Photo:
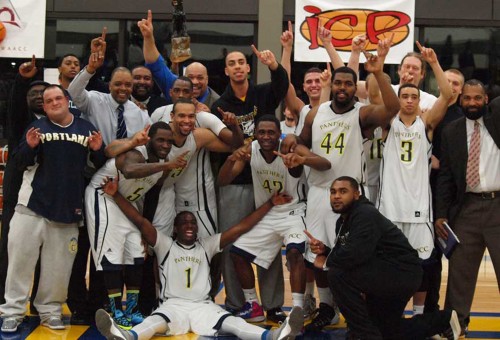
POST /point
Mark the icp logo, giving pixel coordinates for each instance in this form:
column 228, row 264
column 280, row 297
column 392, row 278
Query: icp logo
column 345, row 24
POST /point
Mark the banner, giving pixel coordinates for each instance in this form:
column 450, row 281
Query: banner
column 22, row 28
column 349, row 18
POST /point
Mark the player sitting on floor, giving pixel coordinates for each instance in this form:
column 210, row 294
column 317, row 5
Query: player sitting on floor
column 184, row 265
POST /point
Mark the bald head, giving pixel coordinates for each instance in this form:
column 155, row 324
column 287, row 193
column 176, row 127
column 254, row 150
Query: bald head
column 197, row 72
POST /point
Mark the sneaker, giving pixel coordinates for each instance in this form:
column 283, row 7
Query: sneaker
column 107, row 326
column 122, row 321
column 10, row 324
column 136, row 318
column 252, row 312
column 309, row 306
column 276, row 315
column 291, row 327
column 325, row 316
column 54, row 322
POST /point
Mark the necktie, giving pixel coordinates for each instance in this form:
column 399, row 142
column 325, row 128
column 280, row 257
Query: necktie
column 121, row 130
column 472, row 177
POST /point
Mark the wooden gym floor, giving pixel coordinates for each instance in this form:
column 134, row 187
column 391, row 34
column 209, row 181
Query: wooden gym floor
column 485, row 320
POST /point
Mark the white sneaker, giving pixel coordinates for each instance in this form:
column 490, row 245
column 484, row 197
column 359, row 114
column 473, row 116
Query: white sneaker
column 455, row 325
column 309, row 306
column 292, row 325
column 107, row 326
column 10, row 324
column 54, row 322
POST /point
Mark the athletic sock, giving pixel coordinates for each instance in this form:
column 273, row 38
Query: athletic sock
column 325, row 296
column 115, row 302
column 418, row 309
column 298, row 299
column 309, row 288
column 250, row 295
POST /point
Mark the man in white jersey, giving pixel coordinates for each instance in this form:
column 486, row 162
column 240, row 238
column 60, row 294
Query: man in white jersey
column 115, row 242
column 335, row 130
column 405, row 195
column 184, row 264
column 284, row 224
column 199, row 196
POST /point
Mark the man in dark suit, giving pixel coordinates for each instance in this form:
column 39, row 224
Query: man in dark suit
column 468, row 194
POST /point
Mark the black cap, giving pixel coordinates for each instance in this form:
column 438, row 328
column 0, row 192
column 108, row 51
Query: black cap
column 38, row 82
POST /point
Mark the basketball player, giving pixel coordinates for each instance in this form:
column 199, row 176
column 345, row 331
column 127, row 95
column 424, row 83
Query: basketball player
column 405, row 195
column 115, row 242
column 284, row 224
column 335, row 130
column 184, row 266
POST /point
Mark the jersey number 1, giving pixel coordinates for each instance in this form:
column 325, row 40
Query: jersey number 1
column 188, row 277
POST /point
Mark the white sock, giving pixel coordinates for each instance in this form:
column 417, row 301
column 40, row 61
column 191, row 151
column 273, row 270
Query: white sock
column 242, row 329
column 325, row 296
column 417, row 309
column 298, row 299
column 250, row 295
column 150, row 326
column 309, row 288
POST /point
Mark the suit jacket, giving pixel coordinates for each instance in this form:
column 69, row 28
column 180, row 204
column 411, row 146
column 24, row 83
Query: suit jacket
column 451, row 184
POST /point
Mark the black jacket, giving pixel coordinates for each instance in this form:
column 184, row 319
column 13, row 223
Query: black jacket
column 366, row 234
column 260, row 100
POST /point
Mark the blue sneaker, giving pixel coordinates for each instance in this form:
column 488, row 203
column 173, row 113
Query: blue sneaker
column 252, row 312
column 136, row 318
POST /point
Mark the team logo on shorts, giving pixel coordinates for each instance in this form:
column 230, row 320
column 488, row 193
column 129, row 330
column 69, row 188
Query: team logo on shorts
column 73, row 246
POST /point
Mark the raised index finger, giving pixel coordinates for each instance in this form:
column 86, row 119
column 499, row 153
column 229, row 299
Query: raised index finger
column 328, row 68
column 33, row 60
column 419, row 46
column 290, row 26
column 104, row 31
column 146, row 128
column 255, row 50
column 150, row 16
column 308, row 234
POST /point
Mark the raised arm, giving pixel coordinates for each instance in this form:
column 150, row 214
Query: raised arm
column 380, row 115
column 326, row 84
column 358, row 44
column 246, row 224
column 148, row 232
column 154, row 61
column 133, row 165
column 326, row 38
column 232, row 135
column 292, row 102
column 208, row 140
column 436, row 113
column 119, row 146
column 234, row 165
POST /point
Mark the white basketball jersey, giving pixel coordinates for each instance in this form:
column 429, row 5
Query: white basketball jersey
column 373, row 152
column 190, row 146
column 185, row 271
column 338, row 138
column 195, row 190
column 132, row 188
column 405, row 194
column 302, row 118
column 271, row 178
column 162, row 114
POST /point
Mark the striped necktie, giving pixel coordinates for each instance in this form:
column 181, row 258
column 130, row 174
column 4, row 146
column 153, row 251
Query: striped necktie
column 472, row 176
column 121, row 130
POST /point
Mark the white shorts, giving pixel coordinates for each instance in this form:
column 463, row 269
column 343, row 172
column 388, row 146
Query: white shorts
column 111, row 233
column 320, row 218
column 188, row 316
column 420, row 236
column 264, row 241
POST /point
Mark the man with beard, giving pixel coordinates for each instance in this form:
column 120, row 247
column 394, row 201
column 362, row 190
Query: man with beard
column 373, row 272
column 335, row 130
column 142, row 90
column 468, row 194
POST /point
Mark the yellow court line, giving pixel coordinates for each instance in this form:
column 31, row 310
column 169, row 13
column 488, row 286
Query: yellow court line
column 484, row 324
column 45, row 333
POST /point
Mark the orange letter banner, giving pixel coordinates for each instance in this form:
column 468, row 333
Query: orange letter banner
column 348, row 18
